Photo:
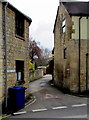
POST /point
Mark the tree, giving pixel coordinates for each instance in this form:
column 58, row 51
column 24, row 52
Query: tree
column 45, row 56
column 34, row 50
column 46, row 53
column 38, row 55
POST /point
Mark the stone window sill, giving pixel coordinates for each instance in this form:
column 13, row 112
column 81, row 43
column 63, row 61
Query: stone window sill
column 22, row 38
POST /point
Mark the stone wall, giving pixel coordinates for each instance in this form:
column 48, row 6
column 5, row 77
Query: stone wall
column 61, row 76
column 34, row 75
column 66, row 70
column 1, row 54
column 17, row 49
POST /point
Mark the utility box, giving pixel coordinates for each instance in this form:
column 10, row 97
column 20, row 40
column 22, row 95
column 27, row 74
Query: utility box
column 17, row 97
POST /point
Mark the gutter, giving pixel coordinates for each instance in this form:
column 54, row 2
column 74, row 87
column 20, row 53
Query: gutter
column 5, row 43
column 79, row 88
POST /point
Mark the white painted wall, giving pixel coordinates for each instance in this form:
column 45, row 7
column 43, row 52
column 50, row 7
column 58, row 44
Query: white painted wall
column 84, row 22
column 75, row 27
column 84, row 32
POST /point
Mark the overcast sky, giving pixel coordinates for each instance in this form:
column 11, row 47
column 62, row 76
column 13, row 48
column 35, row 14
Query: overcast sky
column 43, row 14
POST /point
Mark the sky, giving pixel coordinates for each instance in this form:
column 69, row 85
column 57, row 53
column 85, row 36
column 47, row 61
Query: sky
column 43, row 14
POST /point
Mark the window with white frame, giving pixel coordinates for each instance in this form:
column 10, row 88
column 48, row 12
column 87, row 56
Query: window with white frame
column 64, row 26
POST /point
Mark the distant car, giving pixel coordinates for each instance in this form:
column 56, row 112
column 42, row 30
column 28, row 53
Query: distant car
column 44, row 69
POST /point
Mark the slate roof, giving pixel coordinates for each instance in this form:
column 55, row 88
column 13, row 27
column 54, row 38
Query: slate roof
column 77, row 8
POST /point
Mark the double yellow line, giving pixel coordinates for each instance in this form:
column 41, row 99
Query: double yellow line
column 4, row 116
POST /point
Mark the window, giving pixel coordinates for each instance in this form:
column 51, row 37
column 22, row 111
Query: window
column 65, row 50
column 19, row 23
column 19, row 71
column 63, row 26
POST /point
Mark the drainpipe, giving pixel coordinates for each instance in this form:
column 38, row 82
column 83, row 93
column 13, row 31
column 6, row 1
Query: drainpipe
column 5, row 43
column 79, row 89
column 87, row 71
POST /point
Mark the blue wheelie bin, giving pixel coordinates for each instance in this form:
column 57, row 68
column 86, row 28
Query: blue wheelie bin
column 17, row 97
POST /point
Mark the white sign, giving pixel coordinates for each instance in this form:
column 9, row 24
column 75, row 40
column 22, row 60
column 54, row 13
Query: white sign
column 11, row 71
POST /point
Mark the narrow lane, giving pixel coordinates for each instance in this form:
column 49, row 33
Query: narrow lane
column 51, row 103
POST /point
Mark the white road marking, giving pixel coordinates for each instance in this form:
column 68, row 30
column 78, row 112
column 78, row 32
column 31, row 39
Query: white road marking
column 26, row 105
column 60, row 107
column 50, row 96
column 39, row 110
column 17, row 113
column 79, row 105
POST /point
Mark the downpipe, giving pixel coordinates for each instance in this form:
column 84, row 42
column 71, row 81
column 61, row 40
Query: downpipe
column 5, row 40
column 79, row 88
column 87, row 71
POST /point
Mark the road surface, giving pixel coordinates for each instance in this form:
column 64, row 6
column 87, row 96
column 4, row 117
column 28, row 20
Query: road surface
column 52, row 103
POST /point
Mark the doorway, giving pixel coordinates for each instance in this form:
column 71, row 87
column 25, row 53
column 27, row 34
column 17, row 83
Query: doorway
column 19, row 70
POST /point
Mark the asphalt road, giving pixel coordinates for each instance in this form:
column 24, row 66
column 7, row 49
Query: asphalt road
column 51, row 103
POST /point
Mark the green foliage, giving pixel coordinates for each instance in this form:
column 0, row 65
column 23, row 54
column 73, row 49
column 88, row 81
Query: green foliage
column 31, row 66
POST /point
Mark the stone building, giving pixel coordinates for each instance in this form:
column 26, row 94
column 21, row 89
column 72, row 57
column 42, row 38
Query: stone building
column 71, row 46
column 14, row 52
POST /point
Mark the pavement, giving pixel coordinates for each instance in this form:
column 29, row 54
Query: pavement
column 29, row 100
column 84, row 94
column 28, row 103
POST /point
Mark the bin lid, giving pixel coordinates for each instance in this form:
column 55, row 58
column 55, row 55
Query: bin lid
column 18, row 88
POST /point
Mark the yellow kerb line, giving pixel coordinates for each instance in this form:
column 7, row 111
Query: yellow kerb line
column 5, row 116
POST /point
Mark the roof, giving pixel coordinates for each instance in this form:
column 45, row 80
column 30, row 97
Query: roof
column 77, row 8
column 16, row 10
